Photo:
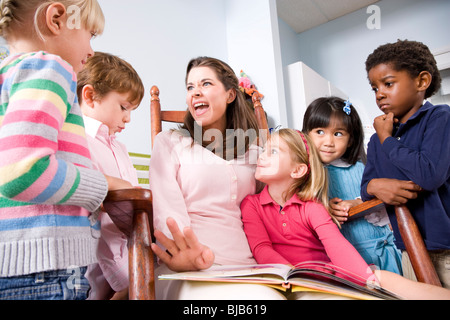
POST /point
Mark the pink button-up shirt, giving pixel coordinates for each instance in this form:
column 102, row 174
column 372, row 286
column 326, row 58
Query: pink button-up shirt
column 111, row 158
column 201, row 190
column 300, row 231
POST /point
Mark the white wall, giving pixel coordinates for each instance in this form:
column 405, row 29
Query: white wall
column 254, row 45
column 159, row 38
column 337, row 50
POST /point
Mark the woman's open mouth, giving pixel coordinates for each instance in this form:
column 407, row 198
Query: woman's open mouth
column 200, row 108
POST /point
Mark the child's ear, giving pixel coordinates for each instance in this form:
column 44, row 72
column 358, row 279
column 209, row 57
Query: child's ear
column 56, row 17
column 423, row 80
column 88, row 94
column 299, row 171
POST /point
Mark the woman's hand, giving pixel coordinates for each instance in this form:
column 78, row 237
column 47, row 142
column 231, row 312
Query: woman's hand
column 184, row 252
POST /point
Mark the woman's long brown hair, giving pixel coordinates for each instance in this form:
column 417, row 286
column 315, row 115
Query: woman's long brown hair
column 240, row 118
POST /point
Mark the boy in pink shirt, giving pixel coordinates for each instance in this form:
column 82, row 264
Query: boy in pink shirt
column 108, row 90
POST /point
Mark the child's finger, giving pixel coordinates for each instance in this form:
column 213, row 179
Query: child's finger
column 340, row 213
column 335, row 200
column 390, row 117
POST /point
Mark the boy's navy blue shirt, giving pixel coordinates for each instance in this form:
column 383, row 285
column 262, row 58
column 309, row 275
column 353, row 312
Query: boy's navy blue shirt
column 418, row 151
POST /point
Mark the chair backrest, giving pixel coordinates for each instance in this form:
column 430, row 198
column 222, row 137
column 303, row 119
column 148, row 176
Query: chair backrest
column 141, row 162
column 176, row 116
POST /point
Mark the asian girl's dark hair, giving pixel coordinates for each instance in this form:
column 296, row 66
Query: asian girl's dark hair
column 322, row 110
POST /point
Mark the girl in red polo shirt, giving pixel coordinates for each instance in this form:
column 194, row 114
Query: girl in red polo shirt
column 288, row 221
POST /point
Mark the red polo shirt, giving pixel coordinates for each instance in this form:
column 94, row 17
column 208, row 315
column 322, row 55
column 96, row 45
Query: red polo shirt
column 300, row 231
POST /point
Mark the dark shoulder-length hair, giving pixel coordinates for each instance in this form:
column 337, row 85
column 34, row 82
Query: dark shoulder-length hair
column 319, row 115
column 241, row 120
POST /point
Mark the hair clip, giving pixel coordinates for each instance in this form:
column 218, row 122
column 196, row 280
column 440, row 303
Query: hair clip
column 347, row 108
column 272, row 130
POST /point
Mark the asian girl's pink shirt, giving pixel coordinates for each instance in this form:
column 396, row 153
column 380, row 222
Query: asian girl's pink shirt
column 202, row 190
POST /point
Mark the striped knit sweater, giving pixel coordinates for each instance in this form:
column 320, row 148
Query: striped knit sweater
column 47, row 185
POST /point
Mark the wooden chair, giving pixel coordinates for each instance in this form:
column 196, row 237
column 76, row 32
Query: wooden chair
column 131, row 210
column 414, row 244
column 174, row 116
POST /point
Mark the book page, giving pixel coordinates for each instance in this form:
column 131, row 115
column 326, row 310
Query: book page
column 233, row 271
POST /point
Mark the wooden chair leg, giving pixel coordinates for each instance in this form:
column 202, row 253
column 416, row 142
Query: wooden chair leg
column 131, row 211
column 417, row 252
column 415, row 247
column 141, row 263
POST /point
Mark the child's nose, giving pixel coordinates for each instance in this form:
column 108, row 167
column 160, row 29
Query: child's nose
column 127, row 117
column 380, row 95
column 329, row 139
column 91, row 52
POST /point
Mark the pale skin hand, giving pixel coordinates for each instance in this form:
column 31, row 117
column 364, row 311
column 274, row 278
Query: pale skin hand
column 117, row 183
column 186, row 252
column 408, row 289
column 392, row 191
column 120, row 295
column 339, row 208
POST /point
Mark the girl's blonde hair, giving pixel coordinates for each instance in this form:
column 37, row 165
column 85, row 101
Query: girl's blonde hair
column 14, row 14
column 313, row 186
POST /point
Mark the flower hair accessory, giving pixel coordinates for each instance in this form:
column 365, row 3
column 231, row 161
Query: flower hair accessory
column 347, row 108
column 246, row 85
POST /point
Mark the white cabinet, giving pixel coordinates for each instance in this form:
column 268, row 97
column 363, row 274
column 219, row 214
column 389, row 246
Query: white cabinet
column 303, row 86
column 442, row 57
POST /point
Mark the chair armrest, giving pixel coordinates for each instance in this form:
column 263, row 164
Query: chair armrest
column 365, row 208
column 121, row 205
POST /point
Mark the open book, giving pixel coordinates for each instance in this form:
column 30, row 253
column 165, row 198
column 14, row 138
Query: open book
column 310, row 276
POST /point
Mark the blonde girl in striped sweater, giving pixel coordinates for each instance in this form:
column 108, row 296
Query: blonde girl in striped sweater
column 48, row 189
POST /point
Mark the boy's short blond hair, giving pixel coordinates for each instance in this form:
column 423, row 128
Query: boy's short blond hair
column 15, row 14
column 105, row 73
